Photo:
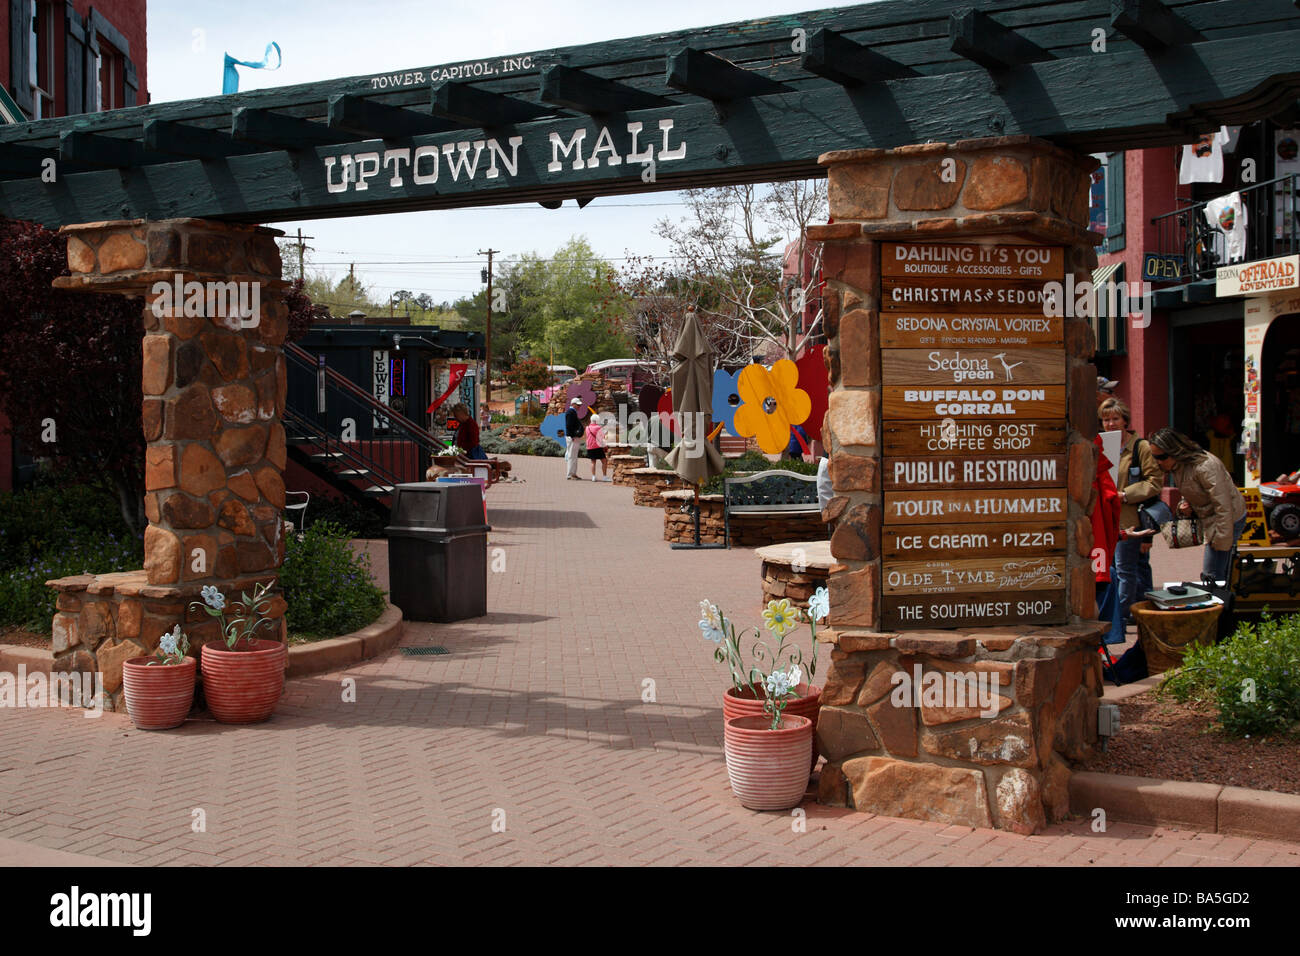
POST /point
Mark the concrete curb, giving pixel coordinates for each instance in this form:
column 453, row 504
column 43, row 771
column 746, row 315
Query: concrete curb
column 1208, row 807
column 340, row 652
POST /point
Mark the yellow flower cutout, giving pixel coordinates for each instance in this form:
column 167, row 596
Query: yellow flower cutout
column 770, row 404
column 781, row 617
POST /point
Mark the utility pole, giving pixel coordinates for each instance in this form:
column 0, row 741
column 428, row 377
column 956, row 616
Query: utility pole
column 302, row 272
column 487, row 343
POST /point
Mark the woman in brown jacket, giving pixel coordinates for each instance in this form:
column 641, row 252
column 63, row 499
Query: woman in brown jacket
column 1208, row 490
column 1139, row 481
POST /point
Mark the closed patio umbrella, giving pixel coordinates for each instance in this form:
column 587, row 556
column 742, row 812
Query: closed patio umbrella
column 694, row 458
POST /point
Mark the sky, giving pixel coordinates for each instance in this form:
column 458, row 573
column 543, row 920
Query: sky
column 434, row 251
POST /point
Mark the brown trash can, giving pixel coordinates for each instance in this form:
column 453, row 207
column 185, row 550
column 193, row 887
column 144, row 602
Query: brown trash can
column 1165, row 635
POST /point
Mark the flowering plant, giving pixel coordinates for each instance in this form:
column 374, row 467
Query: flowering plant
column 251, row 613
column 775, row 672
column 172, row 648
column 453, row 450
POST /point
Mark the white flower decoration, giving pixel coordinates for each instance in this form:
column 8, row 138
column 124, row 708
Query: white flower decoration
column 710, row 613
column 213, row 598
column 170, row 643
column 711, row 633
column 819, row 605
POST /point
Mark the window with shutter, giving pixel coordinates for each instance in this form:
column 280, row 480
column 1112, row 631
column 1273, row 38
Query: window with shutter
column 74, row 61
column 1114, row 202
column 20, row 49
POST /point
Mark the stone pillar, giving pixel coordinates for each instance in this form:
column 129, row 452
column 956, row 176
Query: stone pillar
column 928, row 758
column 214, row 386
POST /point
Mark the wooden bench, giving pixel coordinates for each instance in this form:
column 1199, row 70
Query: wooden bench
column 772, row 492
column 732, row 446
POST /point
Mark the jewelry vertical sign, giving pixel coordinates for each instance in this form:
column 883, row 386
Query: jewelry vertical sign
column 973, row 405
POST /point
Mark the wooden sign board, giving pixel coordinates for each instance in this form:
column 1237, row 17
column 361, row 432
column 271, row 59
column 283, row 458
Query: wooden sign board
column 962, row 295
column 975, row 507
column 914, row 542
column 973, row 438
column 925, row 611
column 974, row 574
column 902, row 330
column 970, row 260
column 972, row 367
column 1015, row 471
column 1003, row 401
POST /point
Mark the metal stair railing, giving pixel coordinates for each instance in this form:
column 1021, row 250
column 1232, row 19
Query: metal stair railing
column 401, row 455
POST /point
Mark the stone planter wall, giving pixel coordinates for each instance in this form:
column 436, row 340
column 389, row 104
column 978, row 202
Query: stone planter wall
column 781, row 580
column 747, row 531
column 949, row 764
column 621, row 465
column 648, row 483
column 214, row 391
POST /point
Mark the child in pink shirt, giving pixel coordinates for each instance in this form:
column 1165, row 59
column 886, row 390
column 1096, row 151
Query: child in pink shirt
column 596, row 449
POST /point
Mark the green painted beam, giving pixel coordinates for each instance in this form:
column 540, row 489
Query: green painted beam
column 194, row 142
column 280, row 131
column 356, row 114
column 694, row 71
column 981, row 39
column 1136, row 101
column 92, row 149
column 588, row 93
column 1150, row 24
column 481, row 108
column 843, row 61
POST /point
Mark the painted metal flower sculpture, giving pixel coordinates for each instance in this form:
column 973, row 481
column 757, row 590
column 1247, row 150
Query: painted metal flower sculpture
column 771, row 402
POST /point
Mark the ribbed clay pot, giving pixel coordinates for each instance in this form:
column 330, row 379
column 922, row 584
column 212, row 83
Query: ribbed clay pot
column 158, row 696
column 768, row 768
column 243, row 686
column 745, row 704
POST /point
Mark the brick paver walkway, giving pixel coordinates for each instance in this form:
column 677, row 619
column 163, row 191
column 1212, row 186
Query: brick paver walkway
column 535, row 721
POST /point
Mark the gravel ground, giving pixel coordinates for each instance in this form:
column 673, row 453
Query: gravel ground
column 24, row 638
column 1174, row 741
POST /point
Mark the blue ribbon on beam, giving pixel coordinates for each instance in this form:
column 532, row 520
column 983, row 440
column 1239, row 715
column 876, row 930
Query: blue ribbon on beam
column 230, row 76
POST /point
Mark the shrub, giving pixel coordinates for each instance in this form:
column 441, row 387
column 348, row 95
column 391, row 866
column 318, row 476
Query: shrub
column 1253, row 677
column 356, row 519
column 43, row 518
column 327, row 585
column 25, row 601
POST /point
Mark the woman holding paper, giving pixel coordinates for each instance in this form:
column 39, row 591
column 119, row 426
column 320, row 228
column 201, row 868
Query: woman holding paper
column 1139, row 481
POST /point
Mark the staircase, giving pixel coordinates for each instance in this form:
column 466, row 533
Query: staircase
column 348, row 438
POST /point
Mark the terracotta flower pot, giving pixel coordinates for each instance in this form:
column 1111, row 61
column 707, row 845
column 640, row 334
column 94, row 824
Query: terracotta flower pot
column 768, row 769
column 243, row 686
column 158, row 696
column 745, row 704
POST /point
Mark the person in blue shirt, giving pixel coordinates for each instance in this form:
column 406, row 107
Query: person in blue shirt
column 794, row 451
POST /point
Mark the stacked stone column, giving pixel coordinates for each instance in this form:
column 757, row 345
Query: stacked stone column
column 214, row 387
column 946, row 763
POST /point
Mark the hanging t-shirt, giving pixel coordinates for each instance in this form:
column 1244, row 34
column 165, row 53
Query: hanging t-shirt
column 1228, row 214
column 1203, row 160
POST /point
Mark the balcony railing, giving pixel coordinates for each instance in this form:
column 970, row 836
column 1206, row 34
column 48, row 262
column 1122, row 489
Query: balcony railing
column 1272, row 229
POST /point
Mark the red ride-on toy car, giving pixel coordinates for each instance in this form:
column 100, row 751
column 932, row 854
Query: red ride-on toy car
column 1281, row 500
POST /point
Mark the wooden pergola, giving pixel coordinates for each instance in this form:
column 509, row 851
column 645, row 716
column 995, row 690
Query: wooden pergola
column 740, row 102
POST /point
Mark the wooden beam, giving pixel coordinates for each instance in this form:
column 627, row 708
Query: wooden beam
column 1150, row 24
column 106, row 151
column 476, row 107
column 1137, row 101
column 20, row 160
column 193, row 141
column 357, row 114
column 280, row 131
column 589, row 93
column 694, row 71
column 848, row 63
column 975, row 35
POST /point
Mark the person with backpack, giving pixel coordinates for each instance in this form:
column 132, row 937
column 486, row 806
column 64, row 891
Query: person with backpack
column 1139, row 481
